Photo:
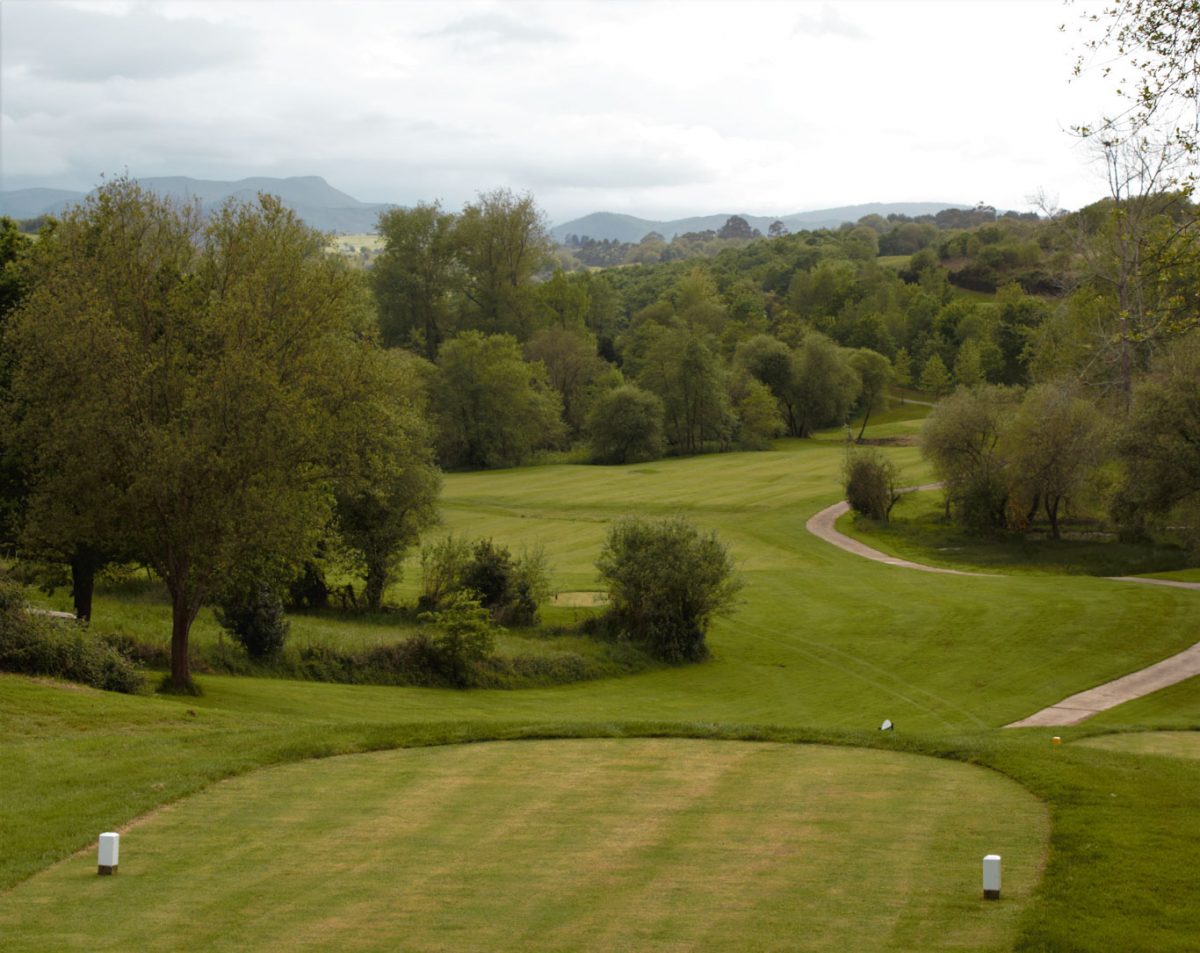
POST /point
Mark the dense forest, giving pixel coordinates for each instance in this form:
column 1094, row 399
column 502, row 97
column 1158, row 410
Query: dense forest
column 278, row 387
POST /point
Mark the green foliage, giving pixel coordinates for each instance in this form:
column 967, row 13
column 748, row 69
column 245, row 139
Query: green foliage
column 493, row 409
column 869, row 480
column 902, row 368
column 1160, row 444
column 875, row 374
column 464, row 637
column 243, row 350
column 626, row 426
column 961, row 439
column 252, row 612
column 666, row 580
column 444, row 564
column 413, row 277
column 509, row 589
column 824, row 385
column 502, row 243
column 755, row 410
column 36, row 645
column 388, row 487
column 935, row 379
column 686, row 375
column 572, row 368
column 1052, row 447
column 308, row 589
column 968, row 366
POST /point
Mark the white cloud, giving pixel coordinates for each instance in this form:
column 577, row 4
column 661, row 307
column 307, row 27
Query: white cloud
column 658, row 108
column 828, row 22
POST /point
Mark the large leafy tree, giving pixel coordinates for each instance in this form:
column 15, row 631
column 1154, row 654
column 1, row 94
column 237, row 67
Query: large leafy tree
column 685, row 374
column 493, row 408
column 387, row 488
column 184, row 388
column 13, row 248
column 1160, row 445
column 961, row 439
column 1052, row 446
column 414, row 277
column 502, row 243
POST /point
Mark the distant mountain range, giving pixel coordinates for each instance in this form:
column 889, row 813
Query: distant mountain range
column 312, row 198
column 628, row 228
column 324, row 207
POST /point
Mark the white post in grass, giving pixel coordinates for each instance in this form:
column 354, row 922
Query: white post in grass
column 991, row 877
column 110, row 845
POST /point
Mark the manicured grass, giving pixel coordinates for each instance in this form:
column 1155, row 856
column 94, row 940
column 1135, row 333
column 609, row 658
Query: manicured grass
column 1176, row 707
column 1170, row 744
column 823, row 647
column 581, row 845
column 920, row 532
column 1181, row 575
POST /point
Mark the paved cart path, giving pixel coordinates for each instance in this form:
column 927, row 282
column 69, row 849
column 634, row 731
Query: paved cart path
column 1069, row 711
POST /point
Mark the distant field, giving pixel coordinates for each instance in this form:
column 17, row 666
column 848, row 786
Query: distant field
column 368, row 240
column 581, row 845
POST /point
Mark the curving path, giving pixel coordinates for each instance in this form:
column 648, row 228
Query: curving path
column 1069, row 711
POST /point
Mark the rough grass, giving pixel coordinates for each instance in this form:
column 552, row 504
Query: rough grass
column 919, row 531
column 581, row 845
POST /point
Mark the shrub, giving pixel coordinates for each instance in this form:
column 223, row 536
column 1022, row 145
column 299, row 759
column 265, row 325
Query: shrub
column 443, row 565
column 626, row 426
column 510, row 589
column 36, row 645
column 309, row 589
column 252, row 613
column 666, row 580
column 463, row 637
column 869, row 479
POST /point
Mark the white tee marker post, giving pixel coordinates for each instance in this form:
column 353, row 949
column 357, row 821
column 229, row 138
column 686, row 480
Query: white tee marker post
column 110, row 845
column 991, row 877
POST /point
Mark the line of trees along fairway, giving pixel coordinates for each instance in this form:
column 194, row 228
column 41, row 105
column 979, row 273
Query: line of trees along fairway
column 190, row 394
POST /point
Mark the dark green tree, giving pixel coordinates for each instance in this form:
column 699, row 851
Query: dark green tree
column 666, row 580
column 387, row 487
column 187, row 386
column 414, row 277
column 626, row 426
column 492, row 407
column 685, row 374
column 502, row 244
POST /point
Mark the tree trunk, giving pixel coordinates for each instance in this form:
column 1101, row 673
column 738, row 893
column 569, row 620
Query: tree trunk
column 376, row 581
column 84, row 563
column 183, row 613
column 1052, row 515
column 863, row 428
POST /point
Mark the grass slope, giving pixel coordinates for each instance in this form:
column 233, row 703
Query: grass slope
column 824, row 646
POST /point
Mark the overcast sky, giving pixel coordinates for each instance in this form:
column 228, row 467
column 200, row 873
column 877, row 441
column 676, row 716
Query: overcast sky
column 657, row 109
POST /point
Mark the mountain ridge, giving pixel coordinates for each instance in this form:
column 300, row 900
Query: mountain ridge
column 329, row 209
column 617, row 226
column 317, row 202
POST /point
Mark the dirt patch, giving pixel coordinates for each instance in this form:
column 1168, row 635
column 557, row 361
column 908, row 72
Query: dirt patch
column 580, row 600
column 906, row 441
